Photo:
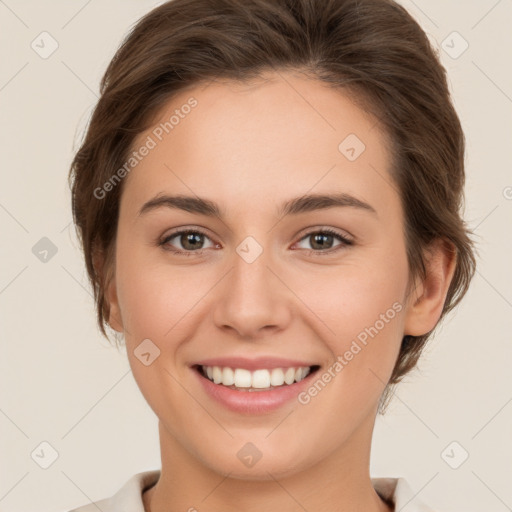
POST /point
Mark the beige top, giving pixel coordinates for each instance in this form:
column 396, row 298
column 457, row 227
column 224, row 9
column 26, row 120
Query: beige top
column 129, row 497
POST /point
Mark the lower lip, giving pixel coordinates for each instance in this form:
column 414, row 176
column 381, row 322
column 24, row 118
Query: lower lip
column 253, row 402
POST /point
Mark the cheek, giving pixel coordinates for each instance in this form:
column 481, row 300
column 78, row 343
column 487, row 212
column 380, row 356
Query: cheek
column 371, row 300
column 364, row 308
column 153, row 293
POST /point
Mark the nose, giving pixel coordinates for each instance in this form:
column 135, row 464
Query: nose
column 252, row 300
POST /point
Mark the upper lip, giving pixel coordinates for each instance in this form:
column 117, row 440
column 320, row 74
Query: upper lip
column 256, row 363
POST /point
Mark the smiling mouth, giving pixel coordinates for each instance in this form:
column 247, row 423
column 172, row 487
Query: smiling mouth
column 241, row 379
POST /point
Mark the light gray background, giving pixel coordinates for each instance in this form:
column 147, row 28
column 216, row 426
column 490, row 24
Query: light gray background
column 64, row 384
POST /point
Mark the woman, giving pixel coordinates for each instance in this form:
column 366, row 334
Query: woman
column 268, row 198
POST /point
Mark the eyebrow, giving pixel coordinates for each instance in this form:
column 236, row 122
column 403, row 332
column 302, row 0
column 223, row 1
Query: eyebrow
column 295, row 206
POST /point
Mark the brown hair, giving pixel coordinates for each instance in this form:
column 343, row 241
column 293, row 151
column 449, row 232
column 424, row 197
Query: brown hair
column 372, row 48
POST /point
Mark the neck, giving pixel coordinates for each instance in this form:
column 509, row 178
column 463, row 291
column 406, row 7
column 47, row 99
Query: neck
column 339, row 482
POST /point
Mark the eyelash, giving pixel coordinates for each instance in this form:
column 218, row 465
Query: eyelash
column 344, row 242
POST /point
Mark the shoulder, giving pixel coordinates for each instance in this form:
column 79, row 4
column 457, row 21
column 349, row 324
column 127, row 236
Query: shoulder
column 400, row 493
column 128, row 497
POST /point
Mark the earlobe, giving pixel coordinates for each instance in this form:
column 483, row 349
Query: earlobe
column 114, row 317
column 428, row 298
column 104, row 268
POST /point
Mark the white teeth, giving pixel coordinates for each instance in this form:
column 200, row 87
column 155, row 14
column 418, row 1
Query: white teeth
column 258, row 379
column 242, row 378
column 217, row 375
column 289, row 375
column 228, row 376
column 277, row 377
column 261, row 379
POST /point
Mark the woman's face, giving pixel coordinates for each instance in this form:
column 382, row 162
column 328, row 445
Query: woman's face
column 259, row 284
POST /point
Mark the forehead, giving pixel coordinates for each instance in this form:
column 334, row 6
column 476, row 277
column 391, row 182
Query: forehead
column 281, row 135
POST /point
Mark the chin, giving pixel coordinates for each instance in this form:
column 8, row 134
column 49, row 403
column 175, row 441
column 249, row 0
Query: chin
column 274, row 467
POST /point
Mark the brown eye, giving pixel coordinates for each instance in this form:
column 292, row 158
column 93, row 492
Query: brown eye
column 324, row 240
column 187, row 240
column 321, row 240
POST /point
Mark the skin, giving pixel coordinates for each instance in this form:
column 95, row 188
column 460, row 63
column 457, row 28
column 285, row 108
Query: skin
column 250, row 148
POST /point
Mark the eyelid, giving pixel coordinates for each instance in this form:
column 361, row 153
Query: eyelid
column 325, row 229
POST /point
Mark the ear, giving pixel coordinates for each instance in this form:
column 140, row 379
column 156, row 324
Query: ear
column 114, row 317
column 427, row 299
column 105, row 269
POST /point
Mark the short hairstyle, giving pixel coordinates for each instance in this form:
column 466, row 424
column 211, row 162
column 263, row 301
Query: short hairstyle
column 372, row 49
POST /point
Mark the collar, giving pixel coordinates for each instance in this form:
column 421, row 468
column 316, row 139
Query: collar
column 129, row 497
